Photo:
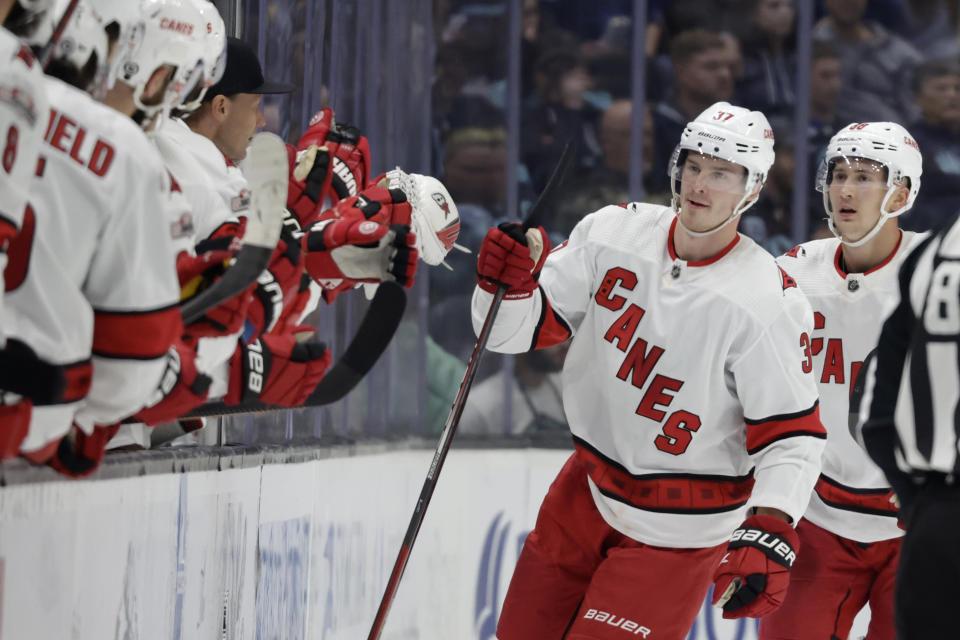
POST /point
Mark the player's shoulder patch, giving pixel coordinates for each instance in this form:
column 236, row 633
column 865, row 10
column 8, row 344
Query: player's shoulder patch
column 786, row 280
column 797, row 252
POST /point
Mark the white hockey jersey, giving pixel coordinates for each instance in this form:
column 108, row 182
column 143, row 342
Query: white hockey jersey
column 852, row 497
column 214, row 186
column 23, row 116
column 100, row 283
column 683, row 384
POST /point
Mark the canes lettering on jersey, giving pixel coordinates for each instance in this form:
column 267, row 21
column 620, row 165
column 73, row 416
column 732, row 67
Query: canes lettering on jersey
column 833, row 369
column 639, row 364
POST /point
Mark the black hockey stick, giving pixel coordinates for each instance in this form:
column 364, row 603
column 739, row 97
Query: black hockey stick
column 46, row 54
column 537, row 214
column 373, row 336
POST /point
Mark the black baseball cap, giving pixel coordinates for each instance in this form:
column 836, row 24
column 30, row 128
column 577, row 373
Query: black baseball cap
column 243, row 74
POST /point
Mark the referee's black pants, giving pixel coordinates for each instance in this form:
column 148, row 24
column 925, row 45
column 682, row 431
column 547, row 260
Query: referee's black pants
column 928, row 578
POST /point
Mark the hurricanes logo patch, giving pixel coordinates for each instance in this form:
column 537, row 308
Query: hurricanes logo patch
column 183, row 227
column 796, row 252
column 241, row 201
column 448, row 235
column 368, row 227
column 788, row 281
column 442, row 203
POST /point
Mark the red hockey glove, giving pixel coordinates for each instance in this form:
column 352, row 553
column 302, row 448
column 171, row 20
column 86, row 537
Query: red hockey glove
column 310, row 177
column 513, row 259
column 279, row 283
column 79, row 454
column 753, row 575
column 360, row 250
column 375, row 203
column 349, row 152
column 277, row 369
column 182, row 388
column 198, row 272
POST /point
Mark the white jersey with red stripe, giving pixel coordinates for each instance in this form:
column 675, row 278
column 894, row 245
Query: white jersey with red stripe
column 23, row 115
column 683, row 384
column 211, row 187
column 852, row 497
column 98, row 281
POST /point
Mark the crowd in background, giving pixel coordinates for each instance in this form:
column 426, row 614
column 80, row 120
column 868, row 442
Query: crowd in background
column 872, row 60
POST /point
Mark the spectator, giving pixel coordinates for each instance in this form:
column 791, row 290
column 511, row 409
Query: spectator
column 474, row 170
column 931, row 27
column 559, row 112
column 609, row 182
column 769, row 58
column 702, row 75
column 876, row 64
column 535, row 397
column 937, row 88
column 826, row 82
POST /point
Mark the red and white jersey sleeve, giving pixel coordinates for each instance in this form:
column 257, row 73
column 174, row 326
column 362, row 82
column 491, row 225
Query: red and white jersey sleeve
column 683, row 384
column 851, row 497
column 102, row 247
column 23, row 116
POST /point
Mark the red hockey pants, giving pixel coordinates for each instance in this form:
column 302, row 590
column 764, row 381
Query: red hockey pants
column 578, row 578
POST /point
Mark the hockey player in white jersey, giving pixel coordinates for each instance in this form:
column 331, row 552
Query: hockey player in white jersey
column 106, row 209
column 684, row 389
column 870, row 175
column 25, row 379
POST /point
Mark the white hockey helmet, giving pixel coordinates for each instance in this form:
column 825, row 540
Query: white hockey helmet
column 889, row 145
column 82, row 40
column 434, row 219
column 27, row 17
column 730, row 133
column 214, row 53
column 156, row 33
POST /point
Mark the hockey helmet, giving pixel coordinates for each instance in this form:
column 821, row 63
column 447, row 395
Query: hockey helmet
column 214, row 54
column 82, row 43
column 890, row 146
column 731, row 133
column 155, row 33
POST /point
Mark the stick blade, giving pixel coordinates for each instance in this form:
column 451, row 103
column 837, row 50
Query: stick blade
column 372, row 338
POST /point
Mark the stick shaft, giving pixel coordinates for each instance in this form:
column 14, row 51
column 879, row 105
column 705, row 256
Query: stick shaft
column 433, row 474
column 47, row 52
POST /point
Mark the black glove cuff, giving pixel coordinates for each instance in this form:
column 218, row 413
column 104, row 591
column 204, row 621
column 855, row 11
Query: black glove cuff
column 514, row 230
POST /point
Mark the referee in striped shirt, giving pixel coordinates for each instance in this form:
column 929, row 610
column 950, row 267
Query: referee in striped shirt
column 910, row 420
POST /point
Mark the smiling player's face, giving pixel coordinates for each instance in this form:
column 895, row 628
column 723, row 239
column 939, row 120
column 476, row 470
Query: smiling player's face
column 709, row 190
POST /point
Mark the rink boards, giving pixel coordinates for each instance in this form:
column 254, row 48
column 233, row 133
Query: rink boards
column 276, row 551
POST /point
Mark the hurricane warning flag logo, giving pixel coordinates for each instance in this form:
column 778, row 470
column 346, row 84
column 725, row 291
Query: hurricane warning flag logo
column 442, row 203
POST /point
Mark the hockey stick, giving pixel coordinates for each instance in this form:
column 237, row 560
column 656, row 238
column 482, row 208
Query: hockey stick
column 537, row 214
column 46, row 54
column 373, row 336
column 266, row 171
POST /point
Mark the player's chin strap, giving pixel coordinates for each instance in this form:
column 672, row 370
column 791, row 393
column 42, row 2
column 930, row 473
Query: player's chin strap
column 884, row 216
